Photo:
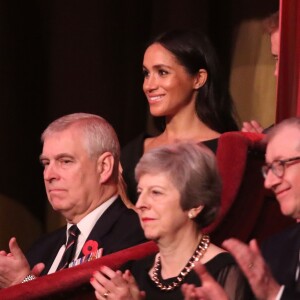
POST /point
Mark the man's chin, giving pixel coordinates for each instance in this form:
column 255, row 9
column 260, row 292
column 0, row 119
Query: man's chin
column 57, row 205
column 288, row 212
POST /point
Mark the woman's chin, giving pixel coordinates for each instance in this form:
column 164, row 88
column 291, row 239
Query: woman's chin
column 151, row 236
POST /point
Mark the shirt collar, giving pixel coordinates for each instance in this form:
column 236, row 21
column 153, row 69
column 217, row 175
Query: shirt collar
column 86, row 224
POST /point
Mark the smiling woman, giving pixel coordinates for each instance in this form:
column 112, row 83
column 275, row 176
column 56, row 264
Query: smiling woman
column 183, row 84
column 173, row 207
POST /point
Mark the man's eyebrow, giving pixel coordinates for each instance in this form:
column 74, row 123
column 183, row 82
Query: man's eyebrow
column 58, row 156
column 277, row 158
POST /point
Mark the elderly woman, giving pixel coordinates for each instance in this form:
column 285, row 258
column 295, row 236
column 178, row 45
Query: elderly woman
column 179, row 194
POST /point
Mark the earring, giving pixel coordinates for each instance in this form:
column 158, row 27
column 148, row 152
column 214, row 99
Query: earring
column 191, row 215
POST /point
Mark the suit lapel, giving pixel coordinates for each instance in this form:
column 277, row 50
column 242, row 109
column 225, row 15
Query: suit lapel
column 290, row 255
column 53, row 248
column 105, row 223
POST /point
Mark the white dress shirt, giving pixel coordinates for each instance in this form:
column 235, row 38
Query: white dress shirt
column 85, row 226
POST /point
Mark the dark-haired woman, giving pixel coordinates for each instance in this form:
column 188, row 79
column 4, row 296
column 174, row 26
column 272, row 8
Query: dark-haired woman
column 183, row 84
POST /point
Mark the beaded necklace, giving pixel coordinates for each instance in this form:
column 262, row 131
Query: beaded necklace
column 199, row 252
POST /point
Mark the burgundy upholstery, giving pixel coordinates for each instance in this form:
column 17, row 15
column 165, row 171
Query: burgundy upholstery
column 247, row 211
column 232, row 155
column 73, row 283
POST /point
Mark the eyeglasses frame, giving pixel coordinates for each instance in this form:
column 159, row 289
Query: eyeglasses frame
column 267, row 167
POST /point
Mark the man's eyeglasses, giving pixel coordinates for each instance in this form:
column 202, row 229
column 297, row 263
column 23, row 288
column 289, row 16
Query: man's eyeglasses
column 278, row 166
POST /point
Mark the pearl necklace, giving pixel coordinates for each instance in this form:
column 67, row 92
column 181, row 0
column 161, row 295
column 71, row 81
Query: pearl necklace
column 199, row 252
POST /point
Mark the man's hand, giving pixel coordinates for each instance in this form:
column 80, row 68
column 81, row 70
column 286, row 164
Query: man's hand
column 37, row 269
column 252, row 126
column 14, row 266
column 254, row 267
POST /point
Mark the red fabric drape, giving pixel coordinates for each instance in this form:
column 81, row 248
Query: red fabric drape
column 288, row 92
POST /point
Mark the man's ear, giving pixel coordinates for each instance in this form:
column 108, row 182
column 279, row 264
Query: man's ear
column 200, row 79
column 105, row 166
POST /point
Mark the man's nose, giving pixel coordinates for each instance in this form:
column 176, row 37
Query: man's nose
column 50, row 172
column 276, row 69
column 271, row 180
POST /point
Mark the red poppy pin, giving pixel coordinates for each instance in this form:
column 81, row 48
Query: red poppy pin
column 90, row 247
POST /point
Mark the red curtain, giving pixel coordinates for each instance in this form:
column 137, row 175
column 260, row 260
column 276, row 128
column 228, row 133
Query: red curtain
column 288, row 92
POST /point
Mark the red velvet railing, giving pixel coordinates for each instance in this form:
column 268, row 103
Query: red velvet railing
column 73, row 283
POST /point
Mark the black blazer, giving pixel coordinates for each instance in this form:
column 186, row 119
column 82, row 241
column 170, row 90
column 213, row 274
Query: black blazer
column 281, row 252
column 290, row 294
column 118, row 228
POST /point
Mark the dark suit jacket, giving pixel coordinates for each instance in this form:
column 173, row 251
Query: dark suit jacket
column 118, row 228
column 281, row 252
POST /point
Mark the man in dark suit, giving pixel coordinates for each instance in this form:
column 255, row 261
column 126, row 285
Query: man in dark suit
column 81, row 171
column 282, row 176
column 281, row 252
column 273, row 274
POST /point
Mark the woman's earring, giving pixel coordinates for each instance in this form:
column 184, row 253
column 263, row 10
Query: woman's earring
column 191, row 216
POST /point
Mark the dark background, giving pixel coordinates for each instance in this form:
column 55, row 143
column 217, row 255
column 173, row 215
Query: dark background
column 59, row 57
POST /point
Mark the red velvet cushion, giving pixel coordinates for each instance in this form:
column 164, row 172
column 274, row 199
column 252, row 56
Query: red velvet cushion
column 73, row 283
column 232, row 156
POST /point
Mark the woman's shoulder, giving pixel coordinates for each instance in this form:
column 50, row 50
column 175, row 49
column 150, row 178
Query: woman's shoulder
column 219, row 262
column 134, row 149
column 136, row 144
column 228, row 274
column 138, row 141
column 212, row 144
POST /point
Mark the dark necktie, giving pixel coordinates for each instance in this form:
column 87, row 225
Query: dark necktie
column 70, row 250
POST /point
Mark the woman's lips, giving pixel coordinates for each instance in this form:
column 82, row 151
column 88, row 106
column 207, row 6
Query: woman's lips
column 146, row 219
column 154, row 99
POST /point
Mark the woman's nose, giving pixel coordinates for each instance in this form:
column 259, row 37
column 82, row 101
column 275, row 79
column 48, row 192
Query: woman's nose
column 142, row 201
column 150, row 83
